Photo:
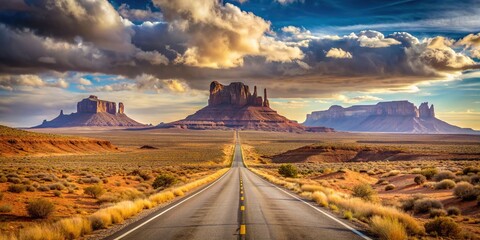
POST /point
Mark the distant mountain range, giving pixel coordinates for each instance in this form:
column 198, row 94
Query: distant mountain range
column 92, row 111
column 395, row 116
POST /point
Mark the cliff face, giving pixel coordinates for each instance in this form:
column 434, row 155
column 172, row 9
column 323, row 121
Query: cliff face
column 92, row 111
column 236, row 94
column 233, row 106
column 93, row 105
column 396, row 116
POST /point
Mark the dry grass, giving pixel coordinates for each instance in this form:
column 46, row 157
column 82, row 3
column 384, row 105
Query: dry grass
column 72, row 228
column 388, row 228
column 127, row 174
column 361, row 209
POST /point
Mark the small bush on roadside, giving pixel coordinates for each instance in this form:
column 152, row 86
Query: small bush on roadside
column 426, row 205
column 5, row 208
column 466, row 191
column 40, row 208
column 445, row 184
column 348, row 215
column 164, row 181
column 443, row 226
column 94, row 191
column 288, row 170
column 429, row 172
column 454, row 211
column 420, row 179
column 388, row 228
column 17, row 188
column 389, row 187
column 437, row 213
column 443, row 175
column 3, row 179
column 364, row 191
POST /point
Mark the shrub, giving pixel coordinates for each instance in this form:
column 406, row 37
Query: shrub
column 429, row 172
column 17, row 188
column 454, row 211
column 348, row 215
column 471, row 169
column 5, row 208
column 426, row 205
column 420, row 179
column 389, row 187
column 320, row 198
column 57, row 193
column 437, row 213
column 364, row 191
column 443, row 226
column 475, row 179
column 3, row 179
column 31, row 188
column 40, row 208
column 94, row 191
column 164, row 181
column 466, row 191
column 15, row 180
column 443, row 175
column 288, row 170
column 56, row 186
column 445, row 184
column 388, row 228
column 43, row 188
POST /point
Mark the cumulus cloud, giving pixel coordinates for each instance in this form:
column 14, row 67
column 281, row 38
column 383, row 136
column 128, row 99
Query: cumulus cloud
column 220, row 36
column 145, row 82
column 471, row 42
column 93, row 21
column 11, row 82
column 139, row 14
column 374, row 39
column 357, row 99
column 338, row 53
column 153, row 57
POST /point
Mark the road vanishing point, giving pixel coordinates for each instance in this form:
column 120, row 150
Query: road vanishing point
column 239, row 205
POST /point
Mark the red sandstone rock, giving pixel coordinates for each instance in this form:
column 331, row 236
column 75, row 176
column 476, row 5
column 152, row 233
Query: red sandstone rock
column 92, row 111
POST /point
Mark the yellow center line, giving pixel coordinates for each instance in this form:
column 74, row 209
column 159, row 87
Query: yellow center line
column 241, row 198
column 242, row 208
column 243, row 229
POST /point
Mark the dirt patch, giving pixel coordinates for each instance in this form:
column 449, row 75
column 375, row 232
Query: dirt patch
column 328, row 154
column 14, row 142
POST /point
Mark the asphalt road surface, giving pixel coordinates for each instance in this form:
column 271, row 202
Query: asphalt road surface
column 239, row 205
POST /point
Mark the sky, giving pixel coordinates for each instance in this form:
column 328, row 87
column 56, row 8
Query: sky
column 158, row 57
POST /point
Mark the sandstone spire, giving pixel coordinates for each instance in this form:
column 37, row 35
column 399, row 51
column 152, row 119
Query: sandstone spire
column 265, row 99
column 121, row 108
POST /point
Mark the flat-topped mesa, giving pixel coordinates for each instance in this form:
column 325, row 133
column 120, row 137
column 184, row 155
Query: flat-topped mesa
column 236, row 94
column 92, row 111
column 395, row 116
column 425, row 112
column 94, row 105
column 396, row 108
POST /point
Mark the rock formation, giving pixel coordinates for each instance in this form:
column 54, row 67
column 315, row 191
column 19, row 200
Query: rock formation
column 233, row 106
column 395, row 116
column 92, row 111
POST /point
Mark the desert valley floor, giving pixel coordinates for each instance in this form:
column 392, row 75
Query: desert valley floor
column 337, row 161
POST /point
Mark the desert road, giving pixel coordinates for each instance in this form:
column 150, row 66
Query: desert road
column 239, row 205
